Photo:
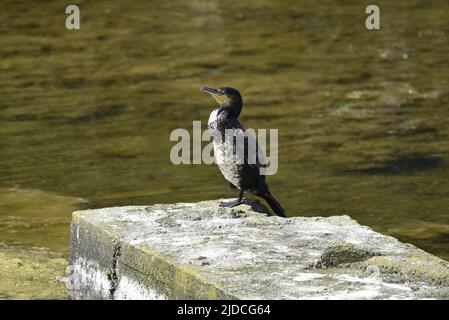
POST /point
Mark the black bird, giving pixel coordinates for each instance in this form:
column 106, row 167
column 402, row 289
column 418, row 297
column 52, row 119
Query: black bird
column 241, row 169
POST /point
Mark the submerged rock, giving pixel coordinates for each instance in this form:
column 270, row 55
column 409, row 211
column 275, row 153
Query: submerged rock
column 33, row 217
column 202, row 251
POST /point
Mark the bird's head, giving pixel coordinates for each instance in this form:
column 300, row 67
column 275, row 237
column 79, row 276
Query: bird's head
column 228, row 99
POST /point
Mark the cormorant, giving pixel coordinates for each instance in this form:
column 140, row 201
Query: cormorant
column 240, row 169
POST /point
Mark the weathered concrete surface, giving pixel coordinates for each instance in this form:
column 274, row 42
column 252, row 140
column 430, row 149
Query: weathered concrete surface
column 201, row 251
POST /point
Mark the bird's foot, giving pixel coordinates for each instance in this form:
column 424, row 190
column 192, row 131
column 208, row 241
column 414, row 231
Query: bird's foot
column 230, row 204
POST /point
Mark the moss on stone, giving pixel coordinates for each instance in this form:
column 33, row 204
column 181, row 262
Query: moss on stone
column 412, row 269
column 341, row 253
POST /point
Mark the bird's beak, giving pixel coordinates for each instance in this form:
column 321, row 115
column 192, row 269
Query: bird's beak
column 220, row 97
column 210, row 90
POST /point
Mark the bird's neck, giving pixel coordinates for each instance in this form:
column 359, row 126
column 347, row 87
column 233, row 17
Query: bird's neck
column 232, row 109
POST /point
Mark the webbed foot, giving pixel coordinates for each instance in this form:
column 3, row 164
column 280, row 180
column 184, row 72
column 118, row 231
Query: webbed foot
column 230, row 204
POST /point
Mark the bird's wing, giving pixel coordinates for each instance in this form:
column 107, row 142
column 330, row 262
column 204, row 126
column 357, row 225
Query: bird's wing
column 253, row 155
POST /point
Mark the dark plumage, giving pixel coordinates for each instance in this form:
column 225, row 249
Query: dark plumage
column 241, row 170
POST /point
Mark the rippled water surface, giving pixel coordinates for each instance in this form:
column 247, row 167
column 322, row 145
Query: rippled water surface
column 85, row 116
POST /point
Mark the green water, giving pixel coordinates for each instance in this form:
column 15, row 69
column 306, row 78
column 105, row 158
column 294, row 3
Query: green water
column 362, row 115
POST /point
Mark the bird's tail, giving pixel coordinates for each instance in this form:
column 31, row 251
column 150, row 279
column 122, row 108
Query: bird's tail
column 274, row 205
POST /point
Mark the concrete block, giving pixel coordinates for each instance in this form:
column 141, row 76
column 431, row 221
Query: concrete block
column 202, row 251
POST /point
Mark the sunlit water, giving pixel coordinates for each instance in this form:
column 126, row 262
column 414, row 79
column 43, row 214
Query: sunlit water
column 362, row 115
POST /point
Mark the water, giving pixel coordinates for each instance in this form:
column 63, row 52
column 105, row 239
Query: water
column 362, row 115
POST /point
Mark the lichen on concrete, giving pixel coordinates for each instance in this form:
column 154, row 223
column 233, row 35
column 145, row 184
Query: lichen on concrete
column 202, row 251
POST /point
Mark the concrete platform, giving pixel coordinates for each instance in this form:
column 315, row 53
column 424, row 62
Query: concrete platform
column 201, row 251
